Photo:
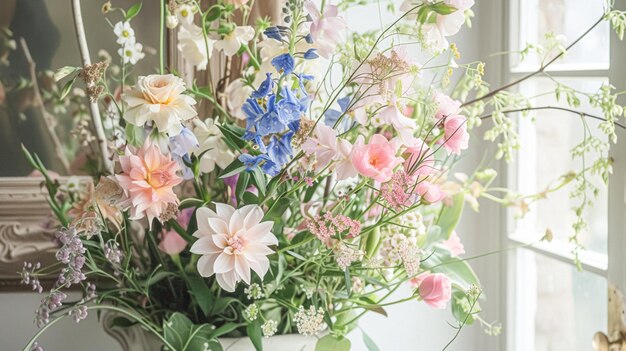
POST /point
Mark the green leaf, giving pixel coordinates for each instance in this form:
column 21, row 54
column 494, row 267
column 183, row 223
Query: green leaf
column 225, row 329
column 250, row 198
column 348, row 282
column 260, row 180
column 232, row 169
column 242, row 185
column 214, row 13
column 460, row 307
column 450, row 216
column 121, row 322
column 133, row 11
column 233, row 135
column 369, row 343
column 456, row 269
column 255, row 334
column 64, row 72
column 278, row 209
column 201, row 293
column 183, row 335
column 190, row 202
column 133, row 134
column 330, row 343
column 442, row 8
column 67, row 88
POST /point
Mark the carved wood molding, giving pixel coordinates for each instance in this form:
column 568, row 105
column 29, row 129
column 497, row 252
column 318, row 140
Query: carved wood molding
column 26, row 228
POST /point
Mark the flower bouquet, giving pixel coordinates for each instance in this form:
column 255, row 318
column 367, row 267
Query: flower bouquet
column 293, row 191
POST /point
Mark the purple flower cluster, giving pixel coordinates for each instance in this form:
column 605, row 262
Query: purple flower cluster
column 79, row 312
column 49, row 303
column 113, row 253
column 72, row 253
column 28, row 276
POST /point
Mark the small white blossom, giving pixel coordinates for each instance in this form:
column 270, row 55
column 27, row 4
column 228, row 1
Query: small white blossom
column 171, row 21
column 270, row 327
column 231, row 43
column 251, row 312
column 254, row 292
column 184, row 14
column 131, row 52
column 125, row 34
column 309, row 322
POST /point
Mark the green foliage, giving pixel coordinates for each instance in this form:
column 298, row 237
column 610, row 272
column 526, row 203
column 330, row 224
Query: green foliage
column 133, row 11
column 332, row 343
column 183, row 335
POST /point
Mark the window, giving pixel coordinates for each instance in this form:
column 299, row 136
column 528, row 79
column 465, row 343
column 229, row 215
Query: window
column 550, row 303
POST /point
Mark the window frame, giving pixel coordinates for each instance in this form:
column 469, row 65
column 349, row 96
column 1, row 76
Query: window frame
column 503, row 17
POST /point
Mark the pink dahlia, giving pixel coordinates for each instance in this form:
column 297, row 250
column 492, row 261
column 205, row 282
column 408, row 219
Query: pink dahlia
column 233, row 242
column 148, row 178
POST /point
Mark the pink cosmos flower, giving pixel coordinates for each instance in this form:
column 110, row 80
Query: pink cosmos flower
column 455, row 136
column 429, row 192
column 171, row 242
column 233, row 242
column 377, row 159
column 434, row 288
column 454, row 245
column 326, row 147
column 323, row 146
column 446, row 106
column 148, row 178
column 327, row 30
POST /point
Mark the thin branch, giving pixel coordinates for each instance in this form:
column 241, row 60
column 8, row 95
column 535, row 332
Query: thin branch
column 540, row 70
column 47, row 117
column 93, row 105
column 599, row 118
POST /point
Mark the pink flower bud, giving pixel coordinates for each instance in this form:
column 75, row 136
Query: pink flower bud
column 429, row 192
column 172, row 243
column 434, row 288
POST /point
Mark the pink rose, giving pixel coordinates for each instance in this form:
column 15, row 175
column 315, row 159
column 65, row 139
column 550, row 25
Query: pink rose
column 434, row 288
column 429, row 192
column 446, row 106
column 454, row 245
column 377, row 159
column 455, row 136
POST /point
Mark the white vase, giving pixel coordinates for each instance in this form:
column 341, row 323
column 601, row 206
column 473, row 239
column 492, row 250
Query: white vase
column 137, row 339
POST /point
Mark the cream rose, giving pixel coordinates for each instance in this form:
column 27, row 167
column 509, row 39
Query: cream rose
column 158, row 99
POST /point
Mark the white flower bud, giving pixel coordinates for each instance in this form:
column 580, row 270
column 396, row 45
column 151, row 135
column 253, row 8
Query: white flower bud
column 171, row 22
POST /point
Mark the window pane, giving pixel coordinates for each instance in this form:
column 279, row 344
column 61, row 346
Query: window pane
column 556, row 307
column 545, row 155
column 569, row 18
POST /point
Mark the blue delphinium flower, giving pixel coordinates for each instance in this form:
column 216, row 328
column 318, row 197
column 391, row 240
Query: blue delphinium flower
column 265, row 88
column 332, row 116
column 279, row 149
column 180, row 146
column 311, row 54
column 284, row 63
column 263, row 161
column 274, row 33
column 275, row 117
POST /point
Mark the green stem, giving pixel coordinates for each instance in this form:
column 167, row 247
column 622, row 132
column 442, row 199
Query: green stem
column 101, row 307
